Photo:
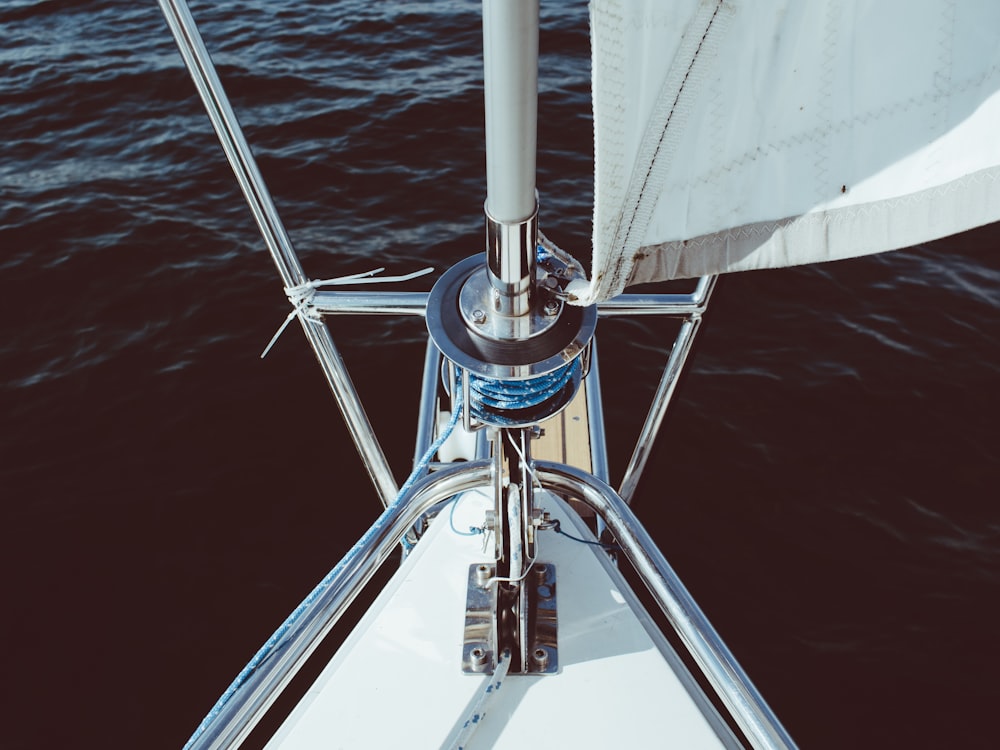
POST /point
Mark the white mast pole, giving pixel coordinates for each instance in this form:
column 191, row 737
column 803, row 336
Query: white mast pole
column 510, row 73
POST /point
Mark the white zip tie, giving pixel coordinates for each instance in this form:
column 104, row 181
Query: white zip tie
column 301, row 295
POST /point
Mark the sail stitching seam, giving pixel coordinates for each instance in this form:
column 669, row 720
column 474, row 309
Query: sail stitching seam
column 655, row 151
column 822, row 141
column 666, row 126
column 942, row 83
column 831, row 128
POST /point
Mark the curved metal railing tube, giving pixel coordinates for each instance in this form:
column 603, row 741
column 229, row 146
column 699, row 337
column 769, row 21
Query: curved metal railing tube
column 237, row 717
column 733, row 686
column 234, row 144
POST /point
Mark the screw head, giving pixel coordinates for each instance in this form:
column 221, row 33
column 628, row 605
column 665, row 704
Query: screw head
column 483, row 575
column 479, row 658
column 551, row 307
column 478, row 316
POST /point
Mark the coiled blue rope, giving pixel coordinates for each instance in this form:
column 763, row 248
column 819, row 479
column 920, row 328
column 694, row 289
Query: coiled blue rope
column 487, row 392
column 490, row 397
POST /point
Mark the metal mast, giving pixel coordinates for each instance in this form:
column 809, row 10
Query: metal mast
column 516, row 352
column 510, row 82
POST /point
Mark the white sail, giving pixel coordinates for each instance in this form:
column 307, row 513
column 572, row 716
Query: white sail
column 734, row 135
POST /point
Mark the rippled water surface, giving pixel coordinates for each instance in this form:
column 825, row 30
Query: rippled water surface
column 826, row 485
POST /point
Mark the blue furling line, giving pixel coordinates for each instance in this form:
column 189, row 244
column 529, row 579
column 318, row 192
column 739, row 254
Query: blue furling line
column 517, row 394
column 473, row 531
column 557, row 527
column 424, row 462
column 266, row 650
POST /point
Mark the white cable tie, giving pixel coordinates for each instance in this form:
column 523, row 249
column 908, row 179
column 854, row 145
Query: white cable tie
column 301, row 295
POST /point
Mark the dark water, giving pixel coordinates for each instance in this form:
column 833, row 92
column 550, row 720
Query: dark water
column 827, row 486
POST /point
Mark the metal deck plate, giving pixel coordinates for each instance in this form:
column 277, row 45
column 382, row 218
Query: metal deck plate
column 478, row 646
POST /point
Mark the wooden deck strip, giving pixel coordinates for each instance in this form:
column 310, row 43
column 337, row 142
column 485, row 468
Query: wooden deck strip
column 566, row 436
column 565, row 439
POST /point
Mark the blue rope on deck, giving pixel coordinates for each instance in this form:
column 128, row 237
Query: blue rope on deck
column 266, row 650
column 486, row 393
column 424, row 463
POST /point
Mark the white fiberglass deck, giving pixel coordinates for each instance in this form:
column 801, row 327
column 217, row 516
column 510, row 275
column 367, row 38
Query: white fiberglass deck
column 397, row 680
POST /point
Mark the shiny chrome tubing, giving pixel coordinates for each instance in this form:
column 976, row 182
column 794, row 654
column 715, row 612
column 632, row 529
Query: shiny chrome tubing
column 658, row 408
column 237, row 718
column 369, row 303
column 510, row 88
column 351, row 409
column 660, row 304
column 510, row 258
column 648, row 304
column 730, row 682
column 664, row 392
column 427, row 418
column 206, row 80
column 223, row 119
column 595, row 410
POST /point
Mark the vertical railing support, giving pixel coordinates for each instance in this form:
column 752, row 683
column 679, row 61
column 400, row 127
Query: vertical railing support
column 234, row 144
